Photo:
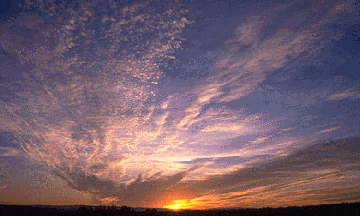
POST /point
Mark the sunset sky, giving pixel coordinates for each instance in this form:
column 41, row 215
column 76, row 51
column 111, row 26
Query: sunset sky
column 180, row 104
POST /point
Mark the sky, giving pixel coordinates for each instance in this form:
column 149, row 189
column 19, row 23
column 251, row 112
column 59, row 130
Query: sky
column 179, row 104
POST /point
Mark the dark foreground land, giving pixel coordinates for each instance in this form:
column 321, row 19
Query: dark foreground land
column 351, row 209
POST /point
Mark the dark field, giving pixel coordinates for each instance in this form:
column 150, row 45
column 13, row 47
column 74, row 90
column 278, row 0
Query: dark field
column 351, row 209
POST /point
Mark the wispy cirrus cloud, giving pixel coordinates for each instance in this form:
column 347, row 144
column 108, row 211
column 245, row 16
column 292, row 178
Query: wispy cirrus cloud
column 351, row 93
column 84, row 106
column 259, row 140
column 329, row 130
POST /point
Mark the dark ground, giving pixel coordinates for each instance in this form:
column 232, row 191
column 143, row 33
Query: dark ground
column 351, row 209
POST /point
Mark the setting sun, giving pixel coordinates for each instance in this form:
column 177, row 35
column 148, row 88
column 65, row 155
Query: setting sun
column 178, row 204
column 175, row 207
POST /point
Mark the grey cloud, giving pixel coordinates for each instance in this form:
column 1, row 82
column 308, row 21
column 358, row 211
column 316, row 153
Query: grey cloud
column 141, row 192
column 9, row 152
column 8, row 69
column 224, row 162
column 98, row 167
column 351, row 194
column 77, row 179
column 320, row 161
column 8, row 139
column 351, row 93
column 197, row 161
column 150, row 192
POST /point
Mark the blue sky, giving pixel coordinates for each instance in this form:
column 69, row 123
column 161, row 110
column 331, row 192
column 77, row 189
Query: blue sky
column 194, row 105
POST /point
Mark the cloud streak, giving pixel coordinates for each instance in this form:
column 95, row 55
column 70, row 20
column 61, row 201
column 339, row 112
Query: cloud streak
column 306, row 174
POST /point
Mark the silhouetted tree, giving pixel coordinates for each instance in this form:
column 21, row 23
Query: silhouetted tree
column 150, row 212
column 125, row 210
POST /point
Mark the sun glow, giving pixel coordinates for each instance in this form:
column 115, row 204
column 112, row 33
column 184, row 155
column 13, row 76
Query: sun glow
column 175, row 207
column 178, row 204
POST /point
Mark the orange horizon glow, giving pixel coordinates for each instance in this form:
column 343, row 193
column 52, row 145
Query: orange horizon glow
column 178, row 205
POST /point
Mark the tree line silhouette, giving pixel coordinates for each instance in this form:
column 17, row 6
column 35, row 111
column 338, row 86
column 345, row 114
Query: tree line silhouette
column 343, row 209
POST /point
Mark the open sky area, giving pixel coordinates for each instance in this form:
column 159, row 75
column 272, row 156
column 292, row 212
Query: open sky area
column 180, row 104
